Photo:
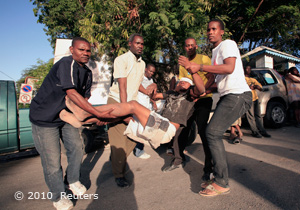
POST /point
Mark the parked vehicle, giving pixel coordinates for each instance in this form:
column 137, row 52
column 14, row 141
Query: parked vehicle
column 273, row 98
column 15, row 127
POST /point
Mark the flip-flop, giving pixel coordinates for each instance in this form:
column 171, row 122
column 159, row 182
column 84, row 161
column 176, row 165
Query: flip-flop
column 210, row 191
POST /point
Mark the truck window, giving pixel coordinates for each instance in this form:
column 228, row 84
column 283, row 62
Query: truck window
column 264, row 77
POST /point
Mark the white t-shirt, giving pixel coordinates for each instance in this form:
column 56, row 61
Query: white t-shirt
column 143, row 98
column 234, row 82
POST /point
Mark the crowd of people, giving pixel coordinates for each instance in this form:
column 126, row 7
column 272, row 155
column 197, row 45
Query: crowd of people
column 61, row 106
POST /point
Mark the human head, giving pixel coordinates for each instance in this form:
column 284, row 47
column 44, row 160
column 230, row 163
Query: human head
column 136, row 44
column 81, row 50
column 247, row 70
column 215, row 31
column 184, row 83
column 190, row 47
column 150, row 70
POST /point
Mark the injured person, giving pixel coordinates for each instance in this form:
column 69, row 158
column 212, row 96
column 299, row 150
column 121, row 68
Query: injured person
column 145, row 125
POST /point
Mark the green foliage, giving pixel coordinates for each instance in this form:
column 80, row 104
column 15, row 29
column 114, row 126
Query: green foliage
column 272, row 23
column 38, row 71
column 165, row 24
column 60, row 17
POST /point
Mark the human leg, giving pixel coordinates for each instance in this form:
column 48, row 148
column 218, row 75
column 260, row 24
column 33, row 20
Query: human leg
column 258, row 117
column 139, row 149
column 203, row 109
column 47, row 143
column 121, row 146
column 240, row 133
column 178, row 156
column 70, row 118
column 74, row 151
column 118, row 110
column 178, row 151
column 232, row 133
column 140, row 152
column 229, row 108
column 251, row 120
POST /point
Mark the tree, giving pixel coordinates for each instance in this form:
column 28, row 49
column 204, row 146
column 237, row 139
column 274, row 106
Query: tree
column 107, row 24
column 38, row 71
column 60, row 17
column 272, row 23
column 165, row 24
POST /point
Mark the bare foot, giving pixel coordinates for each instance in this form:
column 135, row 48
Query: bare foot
column 69, row 118
column 77, row 111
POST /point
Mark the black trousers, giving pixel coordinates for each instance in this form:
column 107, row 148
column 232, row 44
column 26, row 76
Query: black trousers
column 200, row 115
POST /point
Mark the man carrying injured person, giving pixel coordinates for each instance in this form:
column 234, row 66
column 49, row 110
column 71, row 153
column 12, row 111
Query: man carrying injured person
column 146, row 125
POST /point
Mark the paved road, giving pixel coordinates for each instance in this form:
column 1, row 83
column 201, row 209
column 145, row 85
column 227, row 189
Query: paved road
column 264, row 174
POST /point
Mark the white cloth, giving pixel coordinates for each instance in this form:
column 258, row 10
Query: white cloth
column 158, row 130
column 143, row 98
column 127, row 66
column 234, row 82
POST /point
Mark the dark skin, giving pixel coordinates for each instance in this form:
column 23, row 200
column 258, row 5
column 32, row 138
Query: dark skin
column 247, row 72
column 81, row 52
column 136, row 47
column 190, row 48
column 214, row 34
column 151, row 89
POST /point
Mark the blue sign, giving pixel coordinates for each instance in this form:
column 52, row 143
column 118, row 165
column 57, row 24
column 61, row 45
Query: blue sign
column 27, row 88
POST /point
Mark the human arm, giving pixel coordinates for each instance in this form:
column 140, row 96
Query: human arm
column 256, row 85
column 154, row 104
column 123, row 89
column 199, row 88
column 172, row 83
column 157, row 96
column 210, row 85
column 77, row 99
column 226, row 68
column 152, row 88
column 292, row 78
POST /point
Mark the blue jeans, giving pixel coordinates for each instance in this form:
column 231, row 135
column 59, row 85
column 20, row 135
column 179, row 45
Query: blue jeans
column 139, row 149
column 47, row 143
column 229, row 109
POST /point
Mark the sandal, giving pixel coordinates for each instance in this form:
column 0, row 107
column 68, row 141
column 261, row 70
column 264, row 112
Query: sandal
column 211, row 191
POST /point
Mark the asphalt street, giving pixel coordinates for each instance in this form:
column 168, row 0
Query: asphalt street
column 264, row 174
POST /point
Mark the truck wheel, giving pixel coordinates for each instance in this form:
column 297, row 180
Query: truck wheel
column 276, row 115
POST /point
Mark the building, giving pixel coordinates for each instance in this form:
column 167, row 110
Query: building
column 267, row 57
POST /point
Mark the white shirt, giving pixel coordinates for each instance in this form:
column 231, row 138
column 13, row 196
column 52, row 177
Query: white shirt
column 234, row 82
column 143, row 98
column 127, row 65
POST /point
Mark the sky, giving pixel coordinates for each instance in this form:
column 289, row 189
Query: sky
column 23, row 40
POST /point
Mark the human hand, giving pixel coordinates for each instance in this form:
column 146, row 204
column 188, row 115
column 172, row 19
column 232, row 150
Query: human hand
column 184, row 61
column 127, row 119
column 151, row 89
column 106, row 114
column 189, row 66
column 154, row 106
column 101, row 123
